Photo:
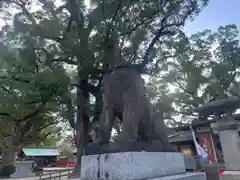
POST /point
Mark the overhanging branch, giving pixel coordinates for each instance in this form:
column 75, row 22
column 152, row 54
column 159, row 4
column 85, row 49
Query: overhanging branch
column 33, row 113
column 65, row 60
column 5, row 89
column 47, row 125
column 159, row 33
column 163, row 31
column 94, row 90
column 5, row 114
column 15, row 78
column 32, row 138
column 110, row 25
column 21, row 4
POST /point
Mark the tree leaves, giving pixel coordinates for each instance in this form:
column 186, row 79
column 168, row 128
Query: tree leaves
column 205, row 67
column 30, row 93
column 43, row 40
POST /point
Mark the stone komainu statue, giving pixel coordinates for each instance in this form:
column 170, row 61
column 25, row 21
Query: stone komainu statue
column 124, row 96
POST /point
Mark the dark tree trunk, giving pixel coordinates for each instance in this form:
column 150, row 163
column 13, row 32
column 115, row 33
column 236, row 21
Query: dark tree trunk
column 98, row 104
column 9, row 155
column 82, row 124
column 11, row 148
column 70, row 110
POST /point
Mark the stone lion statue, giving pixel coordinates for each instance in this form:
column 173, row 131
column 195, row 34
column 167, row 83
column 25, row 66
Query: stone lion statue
column 124, row 97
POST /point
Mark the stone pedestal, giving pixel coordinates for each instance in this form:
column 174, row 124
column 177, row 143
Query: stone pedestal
column 136, row 166
column 230, row 175
column 190, row 163
column 23, row 169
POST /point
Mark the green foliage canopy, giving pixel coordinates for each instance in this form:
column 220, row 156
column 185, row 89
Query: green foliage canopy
column 205, row 67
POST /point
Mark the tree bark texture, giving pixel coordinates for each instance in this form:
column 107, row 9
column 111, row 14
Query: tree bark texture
column 9, row 155
column 82, row 124
column 13, row 146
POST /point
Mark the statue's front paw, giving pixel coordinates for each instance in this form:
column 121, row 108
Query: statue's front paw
column 96, row 147
column 92, row 148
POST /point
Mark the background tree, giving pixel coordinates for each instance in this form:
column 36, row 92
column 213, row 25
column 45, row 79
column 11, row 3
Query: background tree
column 205, row 68
column 67, row 147
column 30, row 95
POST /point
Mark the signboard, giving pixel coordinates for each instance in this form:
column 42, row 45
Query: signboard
column 206, row 142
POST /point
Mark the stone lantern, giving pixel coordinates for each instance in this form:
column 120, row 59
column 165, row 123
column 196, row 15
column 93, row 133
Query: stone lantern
column 227, row 127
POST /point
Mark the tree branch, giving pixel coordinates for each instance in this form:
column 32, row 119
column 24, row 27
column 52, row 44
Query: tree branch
column 160, row 60
column 138, row 24
column 21, row 4
column 159, row 33
column 2, row 139
column 110, row 25
column 5, row 89
column 232, row 78
column 162, row 32
column 32, row 138
column 97, row 15
column 5, row 114
column 65, row 60
column 94, row 90
column 45, row 136
column 47, row 125
column 33, row 113
column 15, row 78
column 199, row 101
column 70, row 113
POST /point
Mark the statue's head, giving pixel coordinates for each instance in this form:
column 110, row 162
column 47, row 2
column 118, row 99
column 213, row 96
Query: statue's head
column 112, row 47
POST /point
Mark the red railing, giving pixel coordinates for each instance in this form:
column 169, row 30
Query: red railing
column 65, row 164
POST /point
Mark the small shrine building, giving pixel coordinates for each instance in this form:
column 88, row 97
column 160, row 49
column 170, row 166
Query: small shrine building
column 205, row 136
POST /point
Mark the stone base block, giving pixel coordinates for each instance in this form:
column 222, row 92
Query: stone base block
column 230, row 175
column 185, row 176
column 135, row 166
column 23, row 169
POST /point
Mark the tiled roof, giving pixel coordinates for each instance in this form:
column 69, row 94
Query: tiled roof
column 181, row 137
column 40, row 151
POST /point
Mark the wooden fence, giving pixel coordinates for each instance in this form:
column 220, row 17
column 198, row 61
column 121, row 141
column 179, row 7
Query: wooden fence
column 56, row 175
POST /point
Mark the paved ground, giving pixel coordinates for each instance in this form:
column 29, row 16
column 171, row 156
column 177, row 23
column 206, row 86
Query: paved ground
column 55, row 172
column 45, row 177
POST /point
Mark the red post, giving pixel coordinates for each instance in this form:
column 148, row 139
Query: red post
column 220, row 171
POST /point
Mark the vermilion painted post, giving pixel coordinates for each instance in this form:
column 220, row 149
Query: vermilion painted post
column 220, row 171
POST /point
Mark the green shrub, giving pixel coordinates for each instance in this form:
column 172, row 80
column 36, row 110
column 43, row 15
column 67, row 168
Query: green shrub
column 7, row 171
column 220, row 157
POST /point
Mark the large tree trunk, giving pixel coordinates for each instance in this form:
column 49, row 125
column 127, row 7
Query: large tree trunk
column 98, row 104
column 9, row 155
column 12, row 147
column 82, row 120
